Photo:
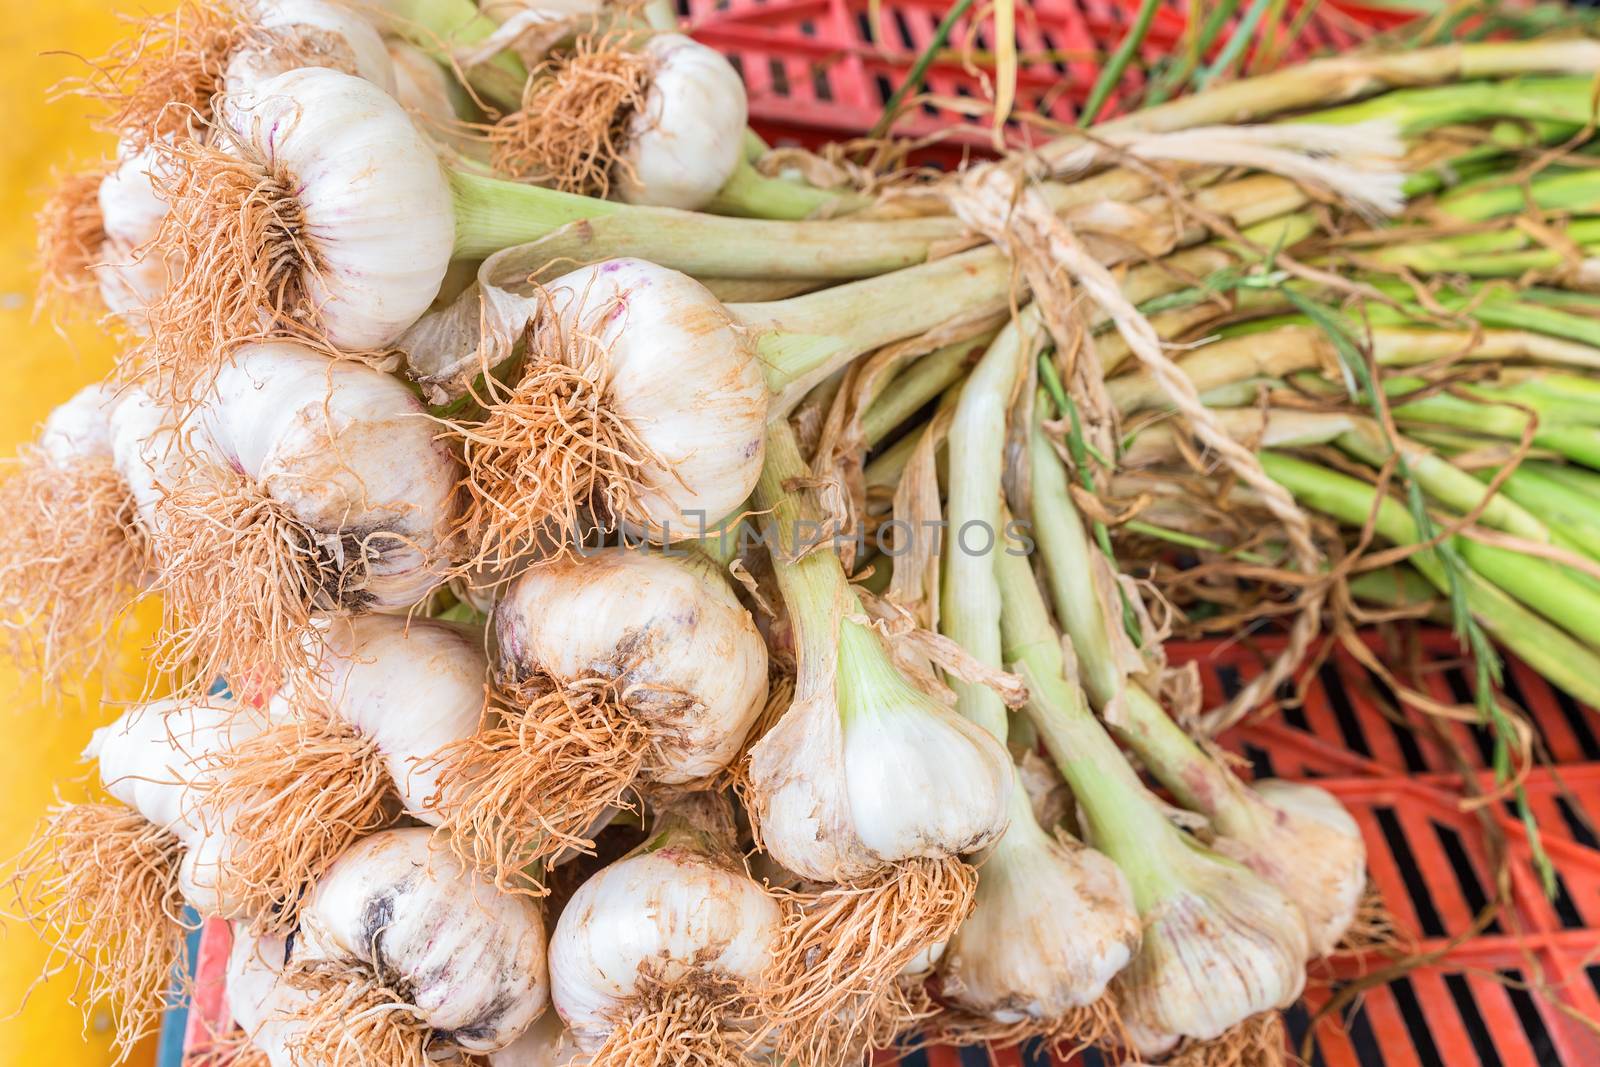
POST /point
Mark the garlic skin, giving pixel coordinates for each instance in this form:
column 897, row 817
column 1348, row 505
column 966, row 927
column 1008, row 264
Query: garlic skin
column 1054, row 923
column 674, row 910
column 922, row 780
column 80, row 429
column 129, row 273
column 378, row 219
column 350, row 42
column 684, row 375
column 412, row 686
column 1301, row 839
column 154, row 759
column 471, row 959
column 349, row 451
column 1220, row 945
column 668, row 629
column 544, row 1044
column 435, row 99
column 144, row 450
column 875, row 772
column 258, row 999
column 687, row 140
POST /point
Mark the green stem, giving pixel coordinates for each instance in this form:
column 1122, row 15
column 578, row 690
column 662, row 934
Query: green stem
column 919, row 69
column 806, row 338
column 1064, row 545
column 1568, row 663
column 493, row 214
column 924, row 380
column 1118, row 813
column 1111, row 73
column 1445, row 482
column 970, row 601
column 439, row 27
column 751, row 194
column 1575, row 192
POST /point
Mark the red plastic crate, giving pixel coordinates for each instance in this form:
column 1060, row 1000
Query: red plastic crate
column 815, row 71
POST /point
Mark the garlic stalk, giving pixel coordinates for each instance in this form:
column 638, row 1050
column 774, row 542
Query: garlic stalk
column 660, row 957
column 1298, row 838
column 308, row 486
column 108, row 881
column 75, row 557
column 1220, row 943
column 1074, row 902
column 866, row 780
column 642, row 394
column 351, row 734
column 407, row 956
column 618, row 670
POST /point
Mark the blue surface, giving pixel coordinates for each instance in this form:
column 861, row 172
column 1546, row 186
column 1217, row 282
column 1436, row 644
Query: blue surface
column 175, row 1020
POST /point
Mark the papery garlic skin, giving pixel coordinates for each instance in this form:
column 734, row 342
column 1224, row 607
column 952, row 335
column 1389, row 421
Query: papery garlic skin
column 1220, row 945
column 1054, row 923
column 686, row 141
column 378, row 220
column 544, row 1044
column 412, row 686
column 675, row 911
column 684, row 375
column 258, row 998
column 157, row 759
column 350, row 43
column 144, row 450
column 129, row 273
column 921, row 779
column 1301, row 839
column 80, row 429
column 350, row 452
column 668, row 629
column 471, row 959
column 436, row 100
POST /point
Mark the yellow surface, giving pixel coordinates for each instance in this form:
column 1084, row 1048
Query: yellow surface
column 39, row 744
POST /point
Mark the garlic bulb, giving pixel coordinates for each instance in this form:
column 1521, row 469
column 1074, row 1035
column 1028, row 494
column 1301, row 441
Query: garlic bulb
column 1301, row 839
column 1296, row 836
column 532, row 27
column 352, row 732
column 470, row 960
column 411, row 686
column 641, row 392
column 439, row 103
column 285, row 35
column 879, row 773
column 1220, row 945
column 617, row 668
column 685, row 142
column 309, row 485
column 156, row 758
column 683, row 654
column 260, row 1001
column 129, row 272
column 668, row 931
column 376, row 226
column 1054, row 923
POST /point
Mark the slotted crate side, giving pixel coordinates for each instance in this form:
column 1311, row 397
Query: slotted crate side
column 816, row 69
